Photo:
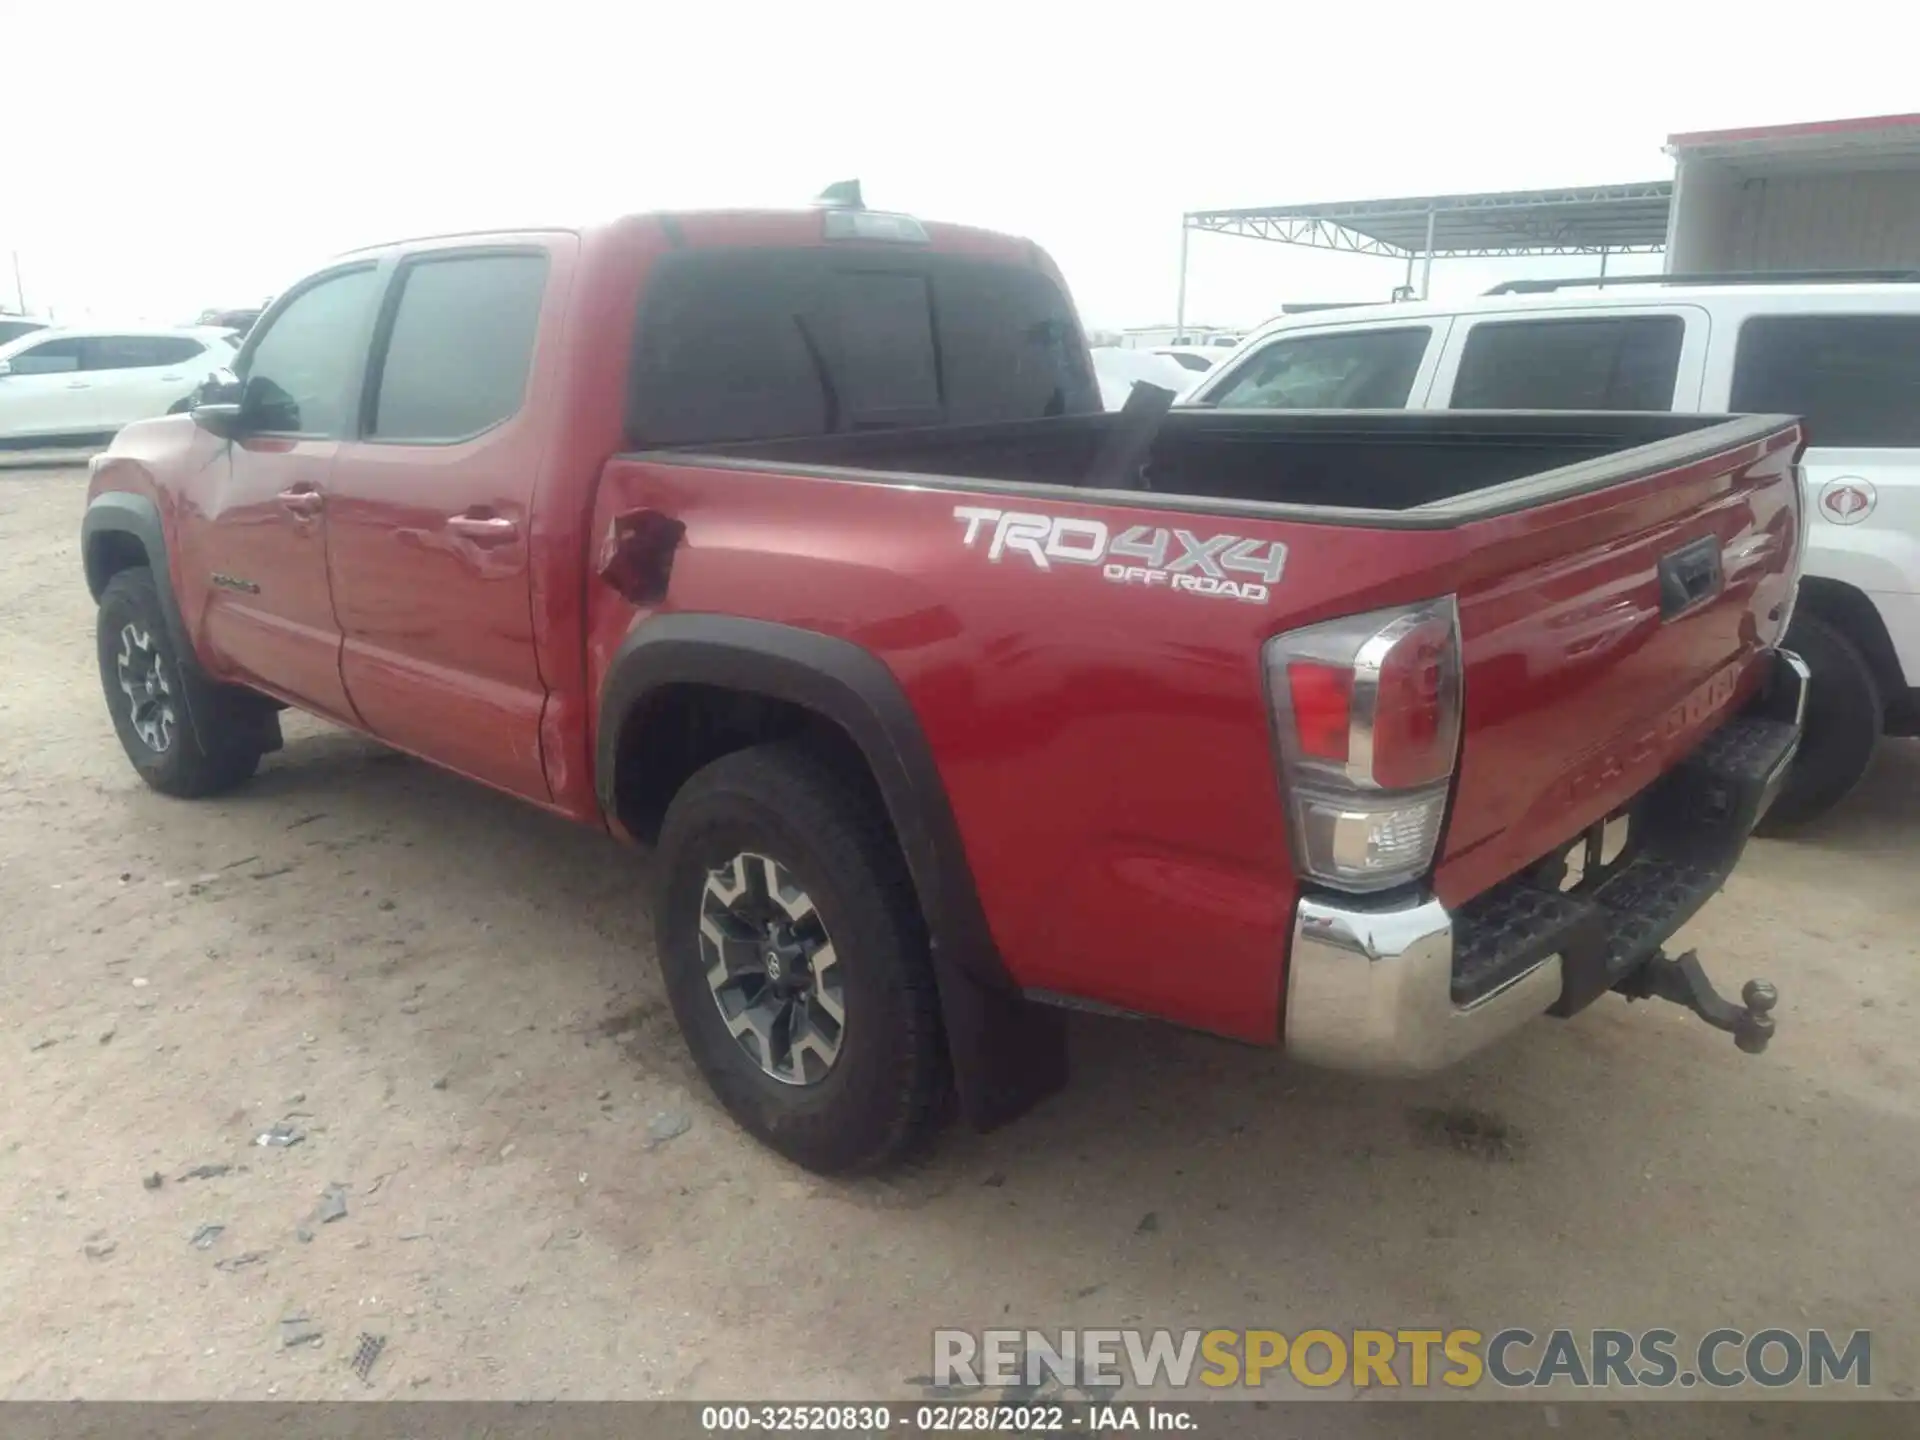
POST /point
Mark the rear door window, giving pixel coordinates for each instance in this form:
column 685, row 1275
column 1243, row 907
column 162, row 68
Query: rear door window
column 1855, row 379
column 460, row 346
column 1347, row 370
column 1610, row 362
column 764, row 344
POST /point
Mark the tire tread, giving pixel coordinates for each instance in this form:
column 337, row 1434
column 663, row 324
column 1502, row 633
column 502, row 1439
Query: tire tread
column 1845, row 716
column 857, row 845
column 188, row 770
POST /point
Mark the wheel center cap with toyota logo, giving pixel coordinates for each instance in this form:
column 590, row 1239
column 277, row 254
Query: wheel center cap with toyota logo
column 1848, row 500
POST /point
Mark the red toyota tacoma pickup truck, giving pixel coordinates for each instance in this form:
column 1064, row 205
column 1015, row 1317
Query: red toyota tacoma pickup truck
column 796, row 547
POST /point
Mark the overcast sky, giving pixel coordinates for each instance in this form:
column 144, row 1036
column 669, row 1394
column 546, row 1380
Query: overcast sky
column 159, row 159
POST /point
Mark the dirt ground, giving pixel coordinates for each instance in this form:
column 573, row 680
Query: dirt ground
column 453, row 999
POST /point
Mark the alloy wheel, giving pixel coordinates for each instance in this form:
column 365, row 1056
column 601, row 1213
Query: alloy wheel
column 772, row 969
column 142, row 673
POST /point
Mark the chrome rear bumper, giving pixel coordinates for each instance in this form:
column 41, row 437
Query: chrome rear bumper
column 1370, row 986
column 1369, row 991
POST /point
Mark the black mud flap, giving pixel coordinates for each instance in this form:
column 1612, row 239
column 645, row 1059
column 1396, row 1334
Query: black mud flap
column 1008, row 1052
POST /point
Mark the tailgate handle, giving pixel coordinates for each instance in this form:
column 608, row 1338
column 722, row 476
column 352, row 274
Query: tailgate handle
column 1689, row 577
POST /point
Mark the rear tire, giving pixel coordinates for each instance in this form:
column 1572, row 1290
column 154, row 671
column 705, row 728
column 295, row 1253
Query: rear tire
column 772, row 821
column 149, row 693
column 1845, row 715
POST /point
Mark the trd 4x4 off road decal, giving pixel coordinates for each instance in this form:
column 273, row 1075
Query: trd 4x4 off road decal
column 1141, row 555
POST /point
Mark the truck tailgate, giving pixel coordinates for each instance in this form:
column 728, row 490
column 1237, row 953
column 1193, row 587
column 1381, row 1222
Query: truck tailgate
column 1604, row 636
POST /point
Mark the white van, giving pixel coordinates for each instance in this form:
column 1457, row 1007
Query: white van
column 1843, row 355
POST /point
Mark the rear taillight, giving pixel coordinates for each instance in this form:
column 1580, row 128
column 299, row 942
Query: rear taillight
column 1368, row 714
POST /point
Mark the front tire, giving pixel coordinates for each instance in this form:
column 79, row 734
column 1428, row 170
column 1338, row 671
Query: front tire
column 1843, row 723
column 797, row 962
column 149, row 692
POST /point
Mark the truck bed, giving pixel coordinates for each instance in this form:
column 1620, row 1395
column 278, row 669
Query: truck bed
column 1106, row 735
column 1405, row 467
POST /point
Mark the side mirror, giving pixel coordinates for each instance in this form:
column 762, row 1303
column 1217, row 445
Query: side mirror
column 6, row 367
column 217, row 404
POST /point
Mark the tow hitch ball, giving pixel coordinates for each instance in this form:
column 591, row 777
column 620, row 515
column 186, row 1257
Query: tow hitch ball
column 1684, row 982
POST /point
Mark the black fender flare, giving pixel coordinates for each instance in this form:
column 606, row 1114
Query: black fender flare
column 121, row 512
column 1008, row 1053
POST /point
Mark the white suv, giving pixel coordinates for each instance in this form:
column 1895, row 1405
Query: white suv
column 1844, row 356
column 58, row 384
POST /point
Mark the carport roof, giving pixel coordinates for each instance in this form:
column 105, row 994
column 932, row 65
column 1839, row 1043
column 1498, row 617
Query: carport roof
column 1582, row 220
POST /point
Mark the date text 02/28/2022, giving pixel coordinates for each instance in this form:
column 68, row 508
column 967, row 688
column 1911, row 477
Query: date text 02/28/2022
column 949, row 1417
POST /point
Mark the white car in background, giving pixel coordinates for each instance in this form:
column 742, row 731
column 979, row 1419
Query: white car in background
column 1118, row 369
column 77, row 384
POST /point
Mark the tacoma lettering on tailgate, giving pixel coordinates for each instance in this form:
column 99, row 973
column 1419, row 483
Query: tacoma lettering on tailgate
column 1631, row 753
column 1140, row 555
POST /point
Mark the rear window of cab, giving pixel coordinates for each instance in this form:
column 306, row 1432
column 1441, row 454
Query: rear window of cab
column 737, row 345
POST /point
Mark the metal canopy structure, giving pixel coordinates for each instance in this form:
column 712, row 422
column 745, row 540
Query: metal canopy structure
column 1591, row 220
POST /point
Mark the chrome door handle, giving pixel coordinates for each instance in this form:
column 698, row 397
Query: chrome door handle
column 304, row 503
column 483, row 527
column 79, row 384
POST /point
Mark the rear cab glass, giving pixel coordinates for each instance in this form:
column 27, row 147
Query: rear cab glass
column 1854, row 379
column 738, row 345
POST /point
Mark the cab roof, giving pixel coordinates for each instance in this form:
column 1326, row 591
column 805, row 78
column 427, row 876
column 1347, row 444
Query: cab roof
column 757, row 228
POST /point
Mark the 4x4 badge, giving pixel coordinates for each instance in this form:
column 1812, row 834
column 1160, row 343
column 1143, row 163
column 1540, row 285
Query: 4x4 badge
column 1231, row 566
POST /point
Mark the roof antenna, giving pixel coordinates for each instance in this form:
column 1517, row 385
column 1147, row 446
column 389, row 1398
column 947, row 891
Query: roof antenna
column 841, row 195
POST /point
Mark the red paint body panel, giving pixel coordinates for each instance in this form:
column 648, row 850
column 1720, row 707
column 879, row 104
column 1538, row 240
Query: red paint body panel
column 1569, row 664
column 437, row 621
column 284, row 636
column 1106, row 748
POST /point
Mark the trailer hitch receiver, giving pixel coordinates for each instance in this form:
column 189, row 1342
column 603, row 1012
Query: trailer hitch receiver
column 1684, row 982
